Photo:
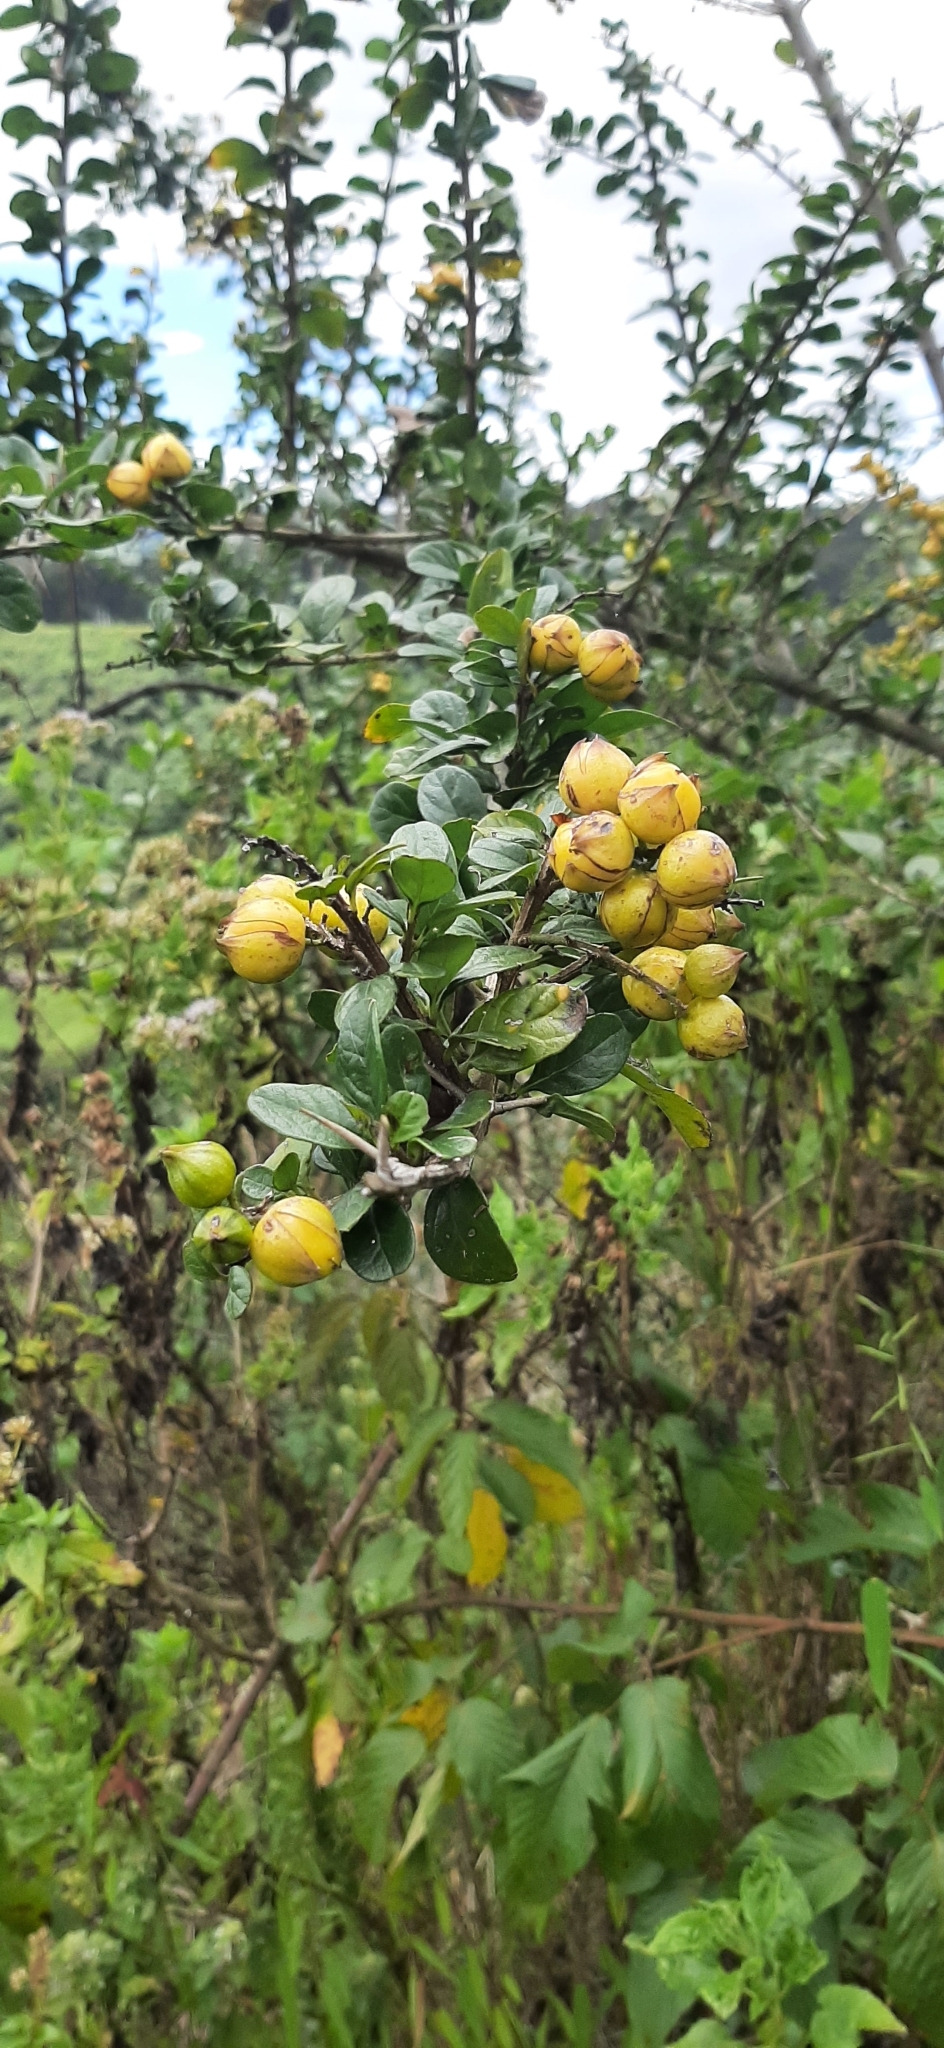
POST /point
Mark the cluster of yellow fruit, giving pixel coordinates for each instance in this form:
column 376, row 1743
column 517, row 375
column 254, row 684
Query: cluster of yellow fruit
column 607, row 660
column 668, row 916
column 164, row 460
column 295, row 1241
column 265, row 934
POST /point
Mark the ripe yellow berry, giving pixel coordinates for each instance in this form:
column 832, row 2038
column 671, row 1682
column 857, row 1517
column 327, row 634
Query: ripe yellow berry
column 695, row 869
column 555, row 643
column 609, row 664
column 447, row 275
column 272, row 889
column 634, row 911
column 200, row 1174
column 687, row 929
column 296, row 1241
column 130, row 483
column 225, row 1234
column 592, row 852
column 727, row 923
column 712, row 970
column 263, row 939
column 325, row 914
column 713, row 1029
column 166, row 459
column 375, row 920
column 593, row 775
column 659, row 801
column 664, row 967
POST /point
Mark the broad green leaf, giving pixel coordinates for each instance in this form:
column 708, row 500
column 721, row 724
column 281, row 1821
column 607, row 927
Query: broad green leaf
column 550, row 1805
column 509, row 1486
column 461, row 1237
column 393, row 805
column 820, row 1848
column 595, row 1056
column 665, row 1765
column 914, row 1903
column 238, row 1293
column 434, row 558
column 456, row 1476
column 413, row 107
column 381, row 1243
column 486, row 960
column 830, row 1762
column 877, row 1623
column 384, row 1569
column 249, row 165
column 378, row 1773
column 296, row 1112
column 844, row 2012
column 494, row 576
column 358, row 1061
column 498, row 624
column 542, row 1438
column 422, row 863
column 510, row 1033
column 484, row 1742
column 408, row 1114
column 448, row 793
column 26, row 1560
column 690, row 1123
column 324, row 605
column 108, row 71
column 306, row 1618
column 19, row 604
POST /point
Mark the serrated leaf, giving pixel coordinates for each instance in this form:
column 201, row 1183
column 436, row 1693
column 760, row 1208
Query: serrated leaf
column 830, row 1762
column 820, row 1848
column 556, row 1499
column 461, row 1237
column 550, row 1805
column 538, row 1436
column 378, row 1773
column 455, row 1480
column 844, row 2012
column 666, row 1771
column 914, row 1901
column 484, row 1743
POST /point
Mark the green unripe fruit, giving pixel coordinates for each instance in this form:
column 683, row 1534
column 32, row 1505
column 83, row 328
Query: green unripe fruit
column 713, row 1029
column 199, row 1174
column 226, row 1235
column 656, row 977
column 712, row 970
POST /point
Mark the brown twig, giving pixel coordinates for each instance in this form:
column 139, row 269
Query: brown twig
column 255, row 1686
column 710, row 1617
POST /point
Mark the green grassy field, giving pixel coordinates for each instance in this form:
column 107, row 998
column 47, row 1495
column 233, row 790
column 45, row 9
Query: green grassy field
column 37, row 670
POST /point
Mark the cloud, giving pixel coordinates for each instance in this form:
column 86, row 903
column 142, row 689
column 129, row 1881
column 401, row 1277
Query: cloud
column 179, row 341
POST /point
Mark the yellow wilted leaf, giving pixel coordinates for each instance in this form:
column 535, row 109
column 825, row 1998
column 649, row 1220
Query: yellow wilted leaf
column 327, row 1748
column 499, row 267
column 429, row 1715
column 485, row 1532
column 555, row 1499
column 574, row 1190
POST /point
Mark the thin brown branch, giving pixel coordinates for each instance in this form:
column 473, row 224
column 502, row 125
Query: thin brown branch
column 905, row 734
column 708, row 1617
column 255, row 1686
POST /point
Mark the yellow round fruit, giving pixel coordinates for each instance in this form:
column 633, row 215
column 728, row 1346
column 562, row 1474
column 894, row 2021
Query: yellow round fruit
column 264, row 939
column 687, row 929
column 696, row 869
column 713, row 1029
column 225, row 1234
column 592, row 852
column 166, row 459
column 199, row 1174
column 555, row 643
column 712, row 970
column 272, row 889
column 634, row 911
column 130, row 483
column 609, row 664
column 593, row 775
column 727, row 923
column 377, row 923
column 659, row 801
column 665, row 968
column 296, row 1241
column 325, row 914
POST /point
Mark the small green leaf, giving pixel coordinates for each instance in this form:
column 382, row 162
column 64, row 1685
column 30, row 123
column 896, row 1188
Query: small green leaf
column 19, row 605
column 690, row 1123
column 324, row 605
column 493, row 577
column 785, row 51
column 306, row 1618
column 844, row 2012
column 238, row 1293
column 394, row 805
column 448, row 793
column 414, row 106
column 830, row 1762
column 595, row 1056
column 250, row 167
column 26, row 1560
column 422, row 863
column 877, row 1623
column 408, row 1113
column 461, row 1238
column 498, row 624
column 382, row 1244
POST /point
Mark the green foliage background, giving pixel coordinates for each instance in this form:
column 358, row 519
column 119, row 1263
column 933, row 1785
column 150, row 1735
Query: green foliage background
column 674, row 1775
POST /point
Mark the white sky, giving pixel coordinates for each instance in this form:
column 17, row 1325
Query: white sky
column 586, row 283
